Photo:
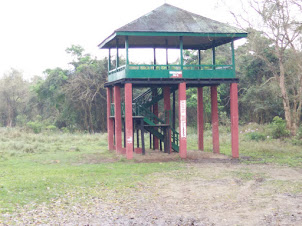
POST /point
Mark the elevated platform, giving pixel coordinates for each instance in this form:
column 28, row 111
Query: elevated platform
column 168, row 71
column 160, row 82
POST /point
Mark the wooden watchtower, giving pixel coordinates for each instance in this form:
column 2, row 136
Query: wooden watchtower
column 167, row 27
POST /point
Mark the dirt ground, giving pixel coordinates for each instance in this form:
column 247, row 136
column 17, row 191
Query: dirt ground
column 213, row 190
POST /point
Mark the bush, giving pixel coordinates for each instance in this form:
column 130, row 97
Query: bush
column 35, row 126
column 257, row 136
column 279, row 128
column 51, row 128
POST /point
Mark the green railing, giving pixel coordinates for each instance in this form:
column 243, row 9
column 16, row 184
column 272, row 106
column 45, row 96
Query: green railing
column 179, row 67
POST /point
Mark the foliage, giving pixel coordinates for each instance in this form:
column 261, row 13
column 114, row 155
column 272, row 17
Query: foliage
column 279, row 128
column 257, row 136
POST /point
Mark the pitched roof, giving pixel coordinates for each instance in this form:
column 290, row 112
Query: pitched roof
column 168, row 18
column 166, row 24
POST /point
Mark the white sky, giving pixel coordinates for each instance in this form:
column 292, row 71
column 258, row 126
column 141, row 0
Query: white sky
column 35, row 33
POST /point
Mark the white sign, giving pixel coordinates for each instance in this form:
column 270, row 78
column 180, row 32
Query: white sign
column 183, row 119
column 175, row 74
column 129, row 140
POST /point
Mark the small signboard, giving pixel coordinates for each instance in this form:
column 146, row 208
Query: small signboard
column 183, row 119
column 175, row 74
column 129, row 140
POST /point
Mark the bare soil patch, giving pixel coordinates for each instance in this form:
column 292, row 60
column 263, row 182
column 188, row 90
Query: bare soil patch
column 209, row 190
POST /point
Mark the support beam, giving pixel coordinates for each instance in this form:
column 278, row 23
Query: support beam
column 200, row 125
column 154, row 58
column 109, row 59
column 182, row 103
column 199, row 58
column 167, row 55
column 167, row 108
column 234, row 119
column 174, row 115
column 117, row 64
column 181, row 52
column 214, row 58
column 155, row 112
column 118, row 119
column 215, row 122
column 129, row 120
column 127, row 50
column 110, row 128
column 233, row 56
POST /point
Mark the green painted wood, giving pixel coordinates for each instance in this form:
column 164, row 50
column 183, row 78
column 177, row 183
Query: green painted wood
column 127, row 53
column 233, row 56
column 117, row 55
column 181, row 51
column 213, row 57
column 109, row 60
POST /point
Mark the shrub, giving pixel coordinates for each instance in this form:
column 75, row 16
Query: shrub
column 257, row 136
column 51, row 128
column 35, row 126
column 279, row 128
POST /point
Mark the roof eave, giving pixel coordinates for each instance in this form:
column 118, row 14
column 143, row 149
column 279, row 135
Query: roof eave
column 108, row 39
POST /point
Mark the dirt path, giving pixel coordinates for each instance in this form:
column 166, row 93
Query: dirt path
column 213, row 190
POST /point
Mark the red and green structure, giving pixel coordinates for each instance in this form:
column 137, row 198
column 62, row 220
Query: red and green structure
column 129, row 110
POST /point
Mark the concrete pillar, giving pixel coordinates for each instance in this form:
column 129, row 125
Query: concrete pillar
column 182, row 103
column 155, row 112
column 215, row 122
column 118, row 119
column 200, row 125
column 110, row 123
column 167, row 108
column 234, row 119
column 155, row 139
column 128, row 120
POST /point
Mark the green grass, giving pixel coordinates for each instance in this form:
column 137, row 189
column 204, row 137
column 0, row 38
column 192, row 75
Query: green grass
column 276, row 151
column 36, row 168
column 40, row 167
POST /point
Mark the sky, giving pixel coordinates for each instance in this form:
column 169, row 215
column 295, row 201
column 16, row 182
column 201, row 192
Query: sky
column 35, row 33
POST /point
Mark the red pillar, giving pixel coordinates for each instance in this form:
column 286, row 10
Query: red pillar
column 167, row 108
column 234, row 120
column 182, row 120
column 200, row 118
column 155, row 139
column 128, row 120
column 118, row 119
column 215, row 130
column 110, row 128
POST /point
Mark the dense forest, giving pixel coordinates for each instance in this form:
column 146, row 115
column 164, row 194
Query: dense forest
column 269, row 66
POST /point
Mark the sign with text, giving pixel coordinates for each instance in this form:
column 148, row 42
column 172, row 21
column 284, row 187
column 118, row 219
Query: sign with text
column 183, row 119
column 175, row 74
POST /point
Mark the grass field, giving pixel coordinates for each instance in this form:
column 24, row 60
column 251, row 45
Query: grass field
column 38, row 168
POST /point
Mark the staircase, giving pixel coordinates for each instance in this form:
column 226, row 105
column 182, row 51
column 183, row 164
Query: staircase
column 141, row 106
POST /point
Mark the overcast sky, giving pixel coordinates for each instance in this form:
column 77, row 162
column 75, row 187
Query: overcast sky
column 35, row 33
